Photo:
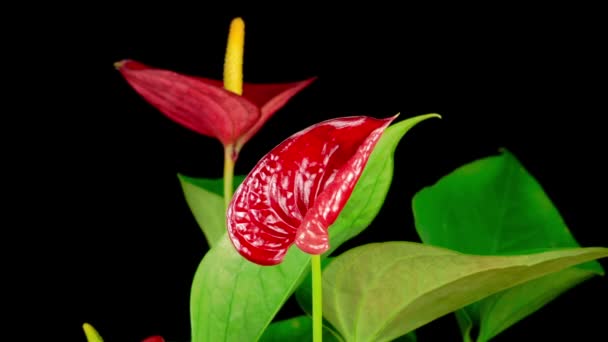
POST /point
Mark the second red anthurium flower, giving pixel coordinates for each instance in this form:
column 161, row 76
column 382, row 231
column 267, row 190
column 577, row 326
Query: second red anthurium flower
column 297, row 190
column 204, row 106
column 231, row 111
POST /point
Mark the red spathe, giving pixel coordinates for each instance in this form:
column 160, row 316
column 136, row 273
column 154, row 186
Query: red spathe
column 204, row 106
column 298, row 189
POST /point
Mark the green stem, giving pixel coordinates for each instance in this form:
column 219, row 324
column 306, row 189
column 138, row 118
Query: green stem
column 317, row 300
column 228, row 174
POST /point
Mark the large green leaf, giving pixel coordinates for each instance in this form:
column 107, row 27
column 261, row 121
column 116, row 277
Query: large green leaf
column 297, row 329
column 381, row 291
column 206, row 201
column 233, row 299
column 493, row 206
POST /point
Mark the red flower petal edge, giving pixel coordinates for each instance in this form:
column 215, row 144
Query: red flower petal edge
column 204, row 106
column 154, row 339
column 270, row 98
column 297, row 190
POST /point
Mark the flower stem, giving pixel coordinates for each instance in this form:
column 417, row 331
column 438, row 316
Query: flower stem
column 317, row 299
column 228, row 174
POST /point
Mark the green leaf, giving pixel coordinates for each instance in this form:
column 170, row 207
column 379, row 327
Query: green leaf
column 295, row 329
column 304, row 299
column 381, row 291
column 465, row 323
column 233, row 299
column 206, row 201
column 506, row 308
column 493, row 206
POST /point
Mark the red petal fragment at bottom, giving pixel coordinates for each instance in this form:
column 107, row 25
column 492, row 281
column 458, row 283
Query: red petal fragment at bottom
column 154, row 339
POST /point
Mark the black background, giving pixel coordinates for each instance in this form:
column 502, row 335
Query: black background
column 119, row 245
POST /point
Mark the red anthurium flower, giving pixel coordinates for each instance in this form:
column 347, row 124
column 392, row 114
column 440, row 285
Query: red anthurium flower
column 204, row 106
column 298, row 189
column 154, row 339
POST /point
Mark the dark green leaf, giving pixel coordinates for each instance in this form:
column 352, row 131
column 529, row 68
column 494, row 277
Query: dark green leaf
column 493, row 206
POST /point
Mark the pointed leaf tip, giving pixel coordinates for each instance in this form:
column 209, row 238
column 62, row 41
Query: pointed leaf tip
column 427, row 116
column 380, row 291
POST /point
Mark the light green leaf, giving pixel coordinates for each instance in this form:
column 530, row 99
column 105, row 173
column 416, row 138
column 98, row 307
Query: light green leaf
column 304, row 298
column 206, row 201
column 493, row 206
column 297, row 329
column 506, row 308
column 233, row 299
column 381, row 291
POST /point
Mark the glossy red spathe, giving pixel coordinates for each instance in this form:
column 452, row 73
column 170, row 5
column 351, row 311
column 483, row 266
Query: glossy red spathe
column 297, row 190
column 204, row 106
